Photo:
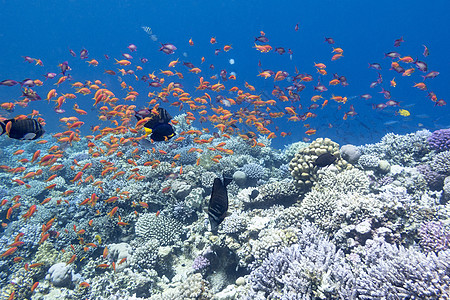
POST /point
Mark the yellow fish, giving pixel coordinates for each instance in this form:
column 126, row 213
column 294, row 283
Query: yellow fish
column 404, row 113
column 98, row 238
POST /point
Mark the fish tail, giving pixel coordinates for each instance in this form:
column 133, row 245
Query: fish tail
column 2, row 128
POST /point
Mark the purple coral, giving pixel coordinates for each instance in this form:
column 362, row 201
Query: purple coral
column 391, row 272
column 434, row 236
column 200, row 263
column 439, row 140
column 311, row 267
column 434, row 180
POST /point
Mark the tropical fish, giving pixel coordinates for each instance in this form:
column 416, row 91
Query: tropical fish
column 324, row 160
column 404, row 112
column 253, row 194
column 157, row 126
column 218, row 203
column 24, row 129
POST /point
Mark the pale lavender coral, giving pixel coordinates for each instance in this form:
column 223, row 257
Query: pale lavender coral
column 434, row 180
column 313, row 267
column 200, row 263
column 391, row 272
column 440, row 140
column 379, row 182
column 434, row 236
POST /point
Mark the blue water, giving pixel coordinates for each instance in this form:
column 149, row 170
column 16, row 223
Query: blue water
column 47, row 30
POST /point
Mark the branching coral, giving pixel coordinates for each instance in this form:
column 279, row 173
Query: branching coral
column 164, row 229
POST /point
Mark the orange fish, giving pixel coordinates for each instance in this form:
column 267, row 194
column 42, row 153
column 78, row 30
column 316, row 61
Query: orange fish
column 310, row 131
column 52, row 186
column 12, row 295
column 84, row 284
column 393, row 83
column 72, row 259
column 18, row 152
column 30, row 212
column 34, row 286
column 113, row 211
column 8, row 252
column 143, row 204
column 77, row 177
column 44, row 238
column 122, row 260
column 9, row 213
column 52, row 93
column 123, row 62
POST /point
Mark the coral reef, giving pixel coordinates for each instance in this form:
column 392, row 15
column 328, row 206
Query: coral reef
column 434, row 179
column 387, row 271
column 405, row 150
column 441, row 163
column 137, row 228
column 253, row 171
column 353, row 180
column 303, row 168
column 272, row 192
column 434, row 236
column 319, row 207
column 367, row 161
column 193, row 287
column 350, row 153
column 439, row 140
column 312, row 268
column 164, row 230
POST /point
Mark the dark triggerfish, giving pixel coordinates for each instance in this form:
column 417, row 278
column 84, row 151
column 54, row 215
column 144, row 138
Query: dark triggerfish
column 325, row 159
column 218, row 204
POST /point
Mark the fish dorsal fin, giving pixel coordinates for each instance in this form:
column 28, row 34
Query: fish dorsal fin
column 226, row 181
